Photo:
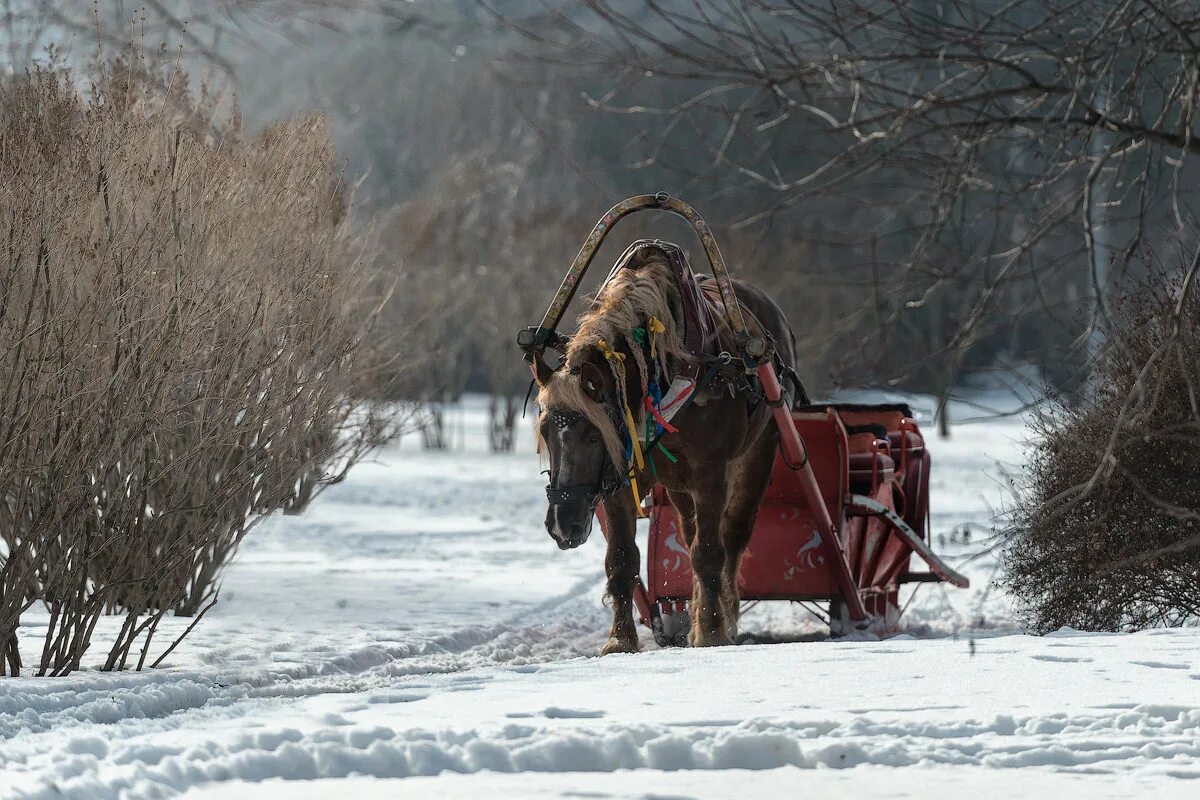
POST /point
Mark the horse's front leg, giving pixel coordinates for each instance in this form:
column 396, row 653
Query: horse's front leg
column 708, row 566
column 621, row 564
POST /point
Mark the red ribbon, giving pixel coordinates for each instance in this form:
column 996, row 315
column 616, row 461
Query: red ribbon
column 658, row 417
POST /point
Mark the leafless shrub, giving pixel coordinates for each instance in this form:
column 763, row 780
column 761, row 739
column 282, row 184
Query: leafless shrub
column 181, row 328
column 1106, row 535
column 482, row 254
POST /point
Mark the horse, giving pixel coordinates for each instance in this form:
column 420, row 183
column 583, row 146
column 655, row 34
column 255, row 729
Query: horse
column 714, row 457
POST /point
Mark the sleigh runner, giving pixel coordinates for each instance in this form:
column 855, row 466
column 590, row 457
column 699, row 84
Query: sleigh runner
column 847, row 503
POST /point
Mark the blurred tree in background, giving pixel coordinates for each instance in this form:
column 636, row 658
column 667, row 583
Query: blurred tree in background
column 934, row 189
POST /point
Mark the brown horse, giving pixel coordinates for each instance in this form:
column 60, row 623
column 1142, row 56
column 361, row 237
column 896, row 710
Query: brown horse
column 715, row 467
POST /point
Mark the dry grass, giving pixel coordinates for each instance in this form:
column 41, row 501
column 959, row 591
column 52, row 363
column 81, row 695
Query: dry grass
column 181, row 315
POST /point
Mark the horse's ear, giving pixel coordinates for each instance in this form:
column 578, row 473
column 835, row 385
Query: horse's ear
column 592, row 381
column 541, row 370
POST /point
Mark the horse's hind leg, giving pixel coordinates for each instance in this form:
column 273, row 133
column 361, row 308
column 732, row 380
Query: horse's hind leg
column 621, row 566
column 747, row 481
column 708, row 564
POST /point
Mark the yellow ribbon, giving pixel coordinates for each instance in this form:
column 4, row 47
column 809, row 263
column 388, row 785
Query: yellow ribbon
column 609, row 353
column 637, row 497
column 637, row 447
column 618, row 360
column 656, row 329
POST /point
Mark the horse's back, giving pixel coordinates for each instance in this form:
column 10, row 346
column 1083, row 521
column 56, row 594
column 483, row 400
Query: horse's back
column 763, row 310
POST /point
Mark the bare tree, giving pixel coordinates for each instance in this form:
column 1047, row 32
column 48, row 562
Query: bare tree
column 1007, row 158
column 483, row 240
column 203, row 33
column 996, row 170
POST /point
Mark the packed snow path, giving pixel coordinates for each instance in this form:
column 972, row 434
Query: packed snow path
column 418, row 634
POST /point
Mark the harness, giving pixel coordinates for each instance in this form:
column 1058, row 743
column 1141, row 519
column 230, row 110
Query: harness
column 662, row 404
column 657, row 425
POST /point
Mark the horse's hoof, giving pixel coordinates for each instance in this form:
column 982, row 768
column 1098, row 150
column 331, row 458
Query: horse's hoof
column 717, row 641
column 697, row 639
column 615, row 645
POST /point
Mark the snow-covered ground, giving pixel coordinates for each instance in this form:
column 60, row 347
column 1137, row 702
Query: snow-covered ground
column 418, row 634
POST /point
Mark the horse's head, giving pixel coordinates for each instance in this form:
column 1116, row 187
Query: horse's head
column 586, row 401
column 578, row 433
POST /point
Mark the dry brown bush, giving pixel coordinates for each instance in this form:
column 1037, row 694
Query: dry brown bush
column 482, row 253
column 181, row 319
column 1106, row 534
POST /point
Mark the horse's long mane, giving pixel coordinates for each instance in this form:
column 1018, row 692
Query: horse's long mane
column 626, row 302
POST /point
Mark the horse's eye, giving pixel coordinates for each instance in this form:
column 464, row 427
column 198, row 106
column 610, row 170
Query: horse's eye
column 593, row 438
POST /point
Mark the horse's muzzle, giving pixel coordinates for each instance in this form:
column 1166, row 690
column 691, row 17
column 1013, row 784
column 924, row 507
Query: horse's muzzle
column 569, row 524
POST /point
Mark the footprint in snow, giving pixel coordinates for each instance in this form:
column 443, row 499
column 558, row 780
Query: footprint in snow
column 333, row 719
column 554, row 712
column 1160, row 665
column 395, row 697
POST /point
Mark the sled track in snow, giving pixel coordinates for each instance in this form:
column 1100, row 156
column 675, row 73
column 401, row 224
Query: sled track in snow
column 1165, row 739
column 35, row 716
column 364, row 715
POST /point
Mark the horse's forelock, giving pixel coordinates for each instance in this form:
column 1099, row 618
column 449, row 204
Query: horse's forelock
column 564, row 391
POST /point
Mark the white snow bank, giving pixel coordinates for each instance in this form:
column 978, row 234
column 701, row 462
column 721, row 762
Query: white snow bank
column 1113, row 706
column 925, row 783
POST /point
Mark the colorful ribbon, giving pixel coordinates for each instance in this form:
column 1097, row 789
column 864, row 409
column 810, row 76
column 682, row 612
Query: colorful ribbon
column 658, row 417
column 617, row 359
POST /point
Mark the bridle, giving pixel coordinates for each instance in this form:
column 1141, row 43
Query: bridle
column 593, row 494
column 610, row 480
